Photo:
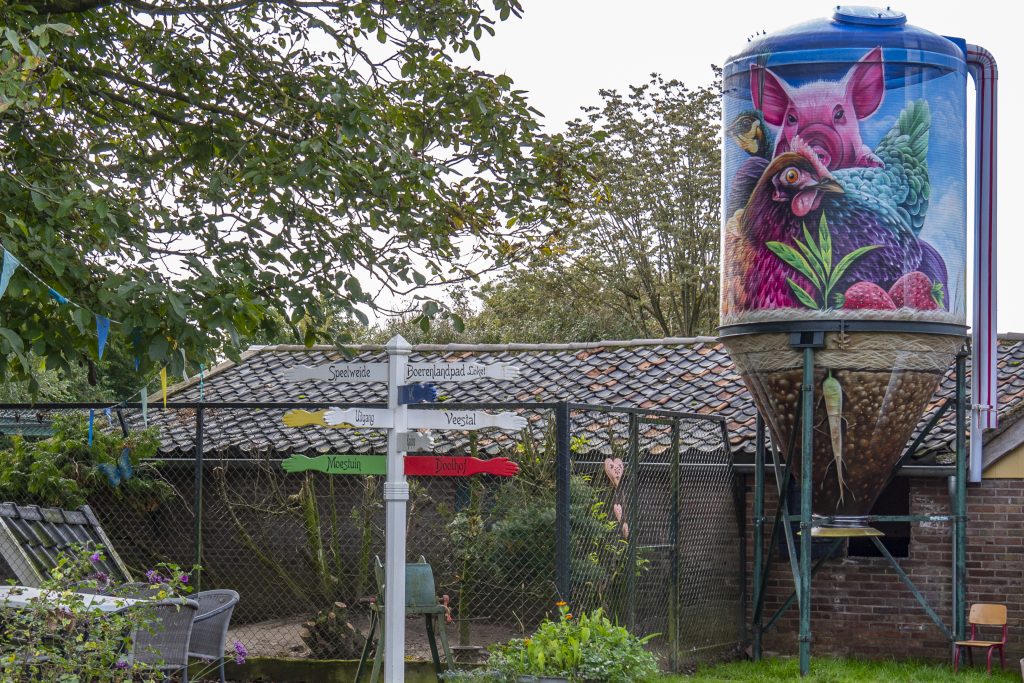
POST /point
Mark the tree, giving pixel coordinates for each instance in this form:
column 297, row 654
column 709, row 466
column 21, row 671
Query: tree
column 183, row 167
column 647, row 220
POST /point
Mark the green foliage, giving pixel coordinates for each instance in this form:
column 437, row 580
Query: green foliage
column 813, row 260
column 583, row 649
column 184, row 168
column 510, row 538
column 61, row 471
column 471, row 676
column 79, row 644
column 645, row 222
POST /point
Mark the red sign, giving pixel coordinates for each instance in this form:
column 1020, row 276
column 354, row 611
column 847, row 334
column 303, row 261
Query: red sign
column 444, row 466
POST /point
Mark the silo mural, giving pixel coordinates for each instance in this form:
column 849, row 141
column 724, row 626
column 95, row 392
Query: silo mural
column 845, row 212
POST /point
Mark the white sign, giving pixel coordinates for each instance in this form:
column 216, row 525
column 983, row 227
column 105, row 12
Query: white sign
column 340, row 373
column 416, row 441
column 459, row 372
column 377, row 418
column 463, row 419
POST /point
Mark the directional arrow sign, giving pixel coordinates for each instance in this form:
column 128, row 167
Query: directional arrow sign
column 417, row 393
column 463, row 419
column 337, row 464
column 459, row 372
column 378, row 418
column 340, row 373
column 416, row 441
column 442, row 466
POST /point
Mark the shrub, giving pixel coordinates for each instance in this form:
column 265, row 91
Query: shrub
column 586, row 649
column 58, row 639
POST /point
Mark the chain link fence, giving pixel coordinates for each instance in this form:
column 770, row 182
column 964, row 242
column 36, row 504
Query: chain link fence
column 628, row 510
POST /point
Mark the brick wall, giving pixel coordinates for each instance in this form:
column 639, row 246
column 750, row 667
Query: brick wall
column 859, row 606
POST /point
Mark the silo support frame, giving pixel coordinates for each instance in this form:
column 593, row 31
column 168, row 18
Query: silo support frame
column 802, row 568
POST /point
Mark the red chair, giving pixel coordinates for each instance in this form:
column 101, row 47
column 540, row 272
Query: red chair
column 983, row 615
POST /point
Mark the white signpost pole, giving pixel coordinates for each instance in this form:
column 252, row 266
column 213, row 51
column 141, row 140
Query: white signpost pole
column 396, row 493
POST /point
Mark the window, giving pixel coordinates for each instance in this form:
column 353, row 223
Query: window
column 895, row 500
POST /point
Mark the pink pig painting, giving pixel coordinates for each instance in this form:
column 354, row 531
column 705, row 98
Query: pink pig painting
column 825, row 114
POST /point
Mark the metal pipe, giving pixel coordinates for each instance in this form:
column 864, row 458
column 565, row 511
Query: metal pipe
column 396, row 496
column 806, row 475
column 960, row 501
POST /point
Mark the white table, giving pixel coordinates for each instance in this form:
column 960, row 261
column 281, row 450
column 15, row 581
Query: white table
column 20, row 597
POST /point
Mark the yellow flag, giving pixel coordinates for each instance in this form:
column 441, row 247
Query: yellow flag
column 163, row 384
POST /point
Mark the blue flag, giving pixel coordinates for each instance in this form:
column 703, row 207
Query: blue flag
column 10, row 263
column 57, row 296
column 102, row 330
column 92, row 414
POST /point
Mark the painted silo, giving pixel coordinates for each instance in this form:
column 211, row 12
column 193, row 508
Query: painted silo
column 844, row 209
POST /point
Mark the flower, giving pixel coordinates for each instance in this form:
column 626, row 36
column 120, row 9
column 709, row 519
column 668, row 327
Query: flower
column 240, row 652
column 94, row 558
column 568, row 616
column 153, row 576
column 561, row 603
column 121, row 664
column 183, row 578
column 102, row 578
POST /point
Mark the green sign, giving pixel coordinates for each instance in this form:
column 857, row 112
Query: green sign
column 337, row 464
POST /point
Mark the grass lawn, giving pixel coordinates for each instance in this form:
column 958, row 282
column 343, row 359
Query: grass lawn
column 824, row 670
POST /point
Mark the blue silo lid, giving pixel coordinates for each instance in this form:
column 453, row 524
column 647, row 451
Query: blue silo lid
column 869, row 16
column 845, row 36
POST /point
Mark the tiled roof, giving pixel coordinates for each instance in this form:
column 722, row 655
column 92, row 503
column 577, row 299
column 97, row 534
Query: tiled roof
column 690, row 375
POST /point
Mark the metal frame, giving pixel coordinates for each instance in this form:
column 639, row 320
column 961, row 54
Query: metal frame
column 802, row 568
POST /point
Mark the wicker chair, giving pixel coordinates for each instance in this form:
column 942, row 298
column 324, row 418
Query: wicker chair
column 165, row 646
column 210, row 626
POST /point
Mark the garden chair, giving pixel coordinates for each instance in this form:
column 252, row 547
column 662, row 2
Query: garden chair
column 983, row 614
column 165, row 646
column 210, row 626
column 420, row 598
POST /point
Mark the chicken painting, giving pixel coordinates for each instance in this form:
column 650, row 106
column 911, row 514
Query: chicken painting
column 845, row 238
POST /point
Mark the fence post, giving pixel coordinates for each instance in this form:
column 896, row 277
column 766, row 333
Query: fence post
column 673, row 539
column 759, row 520
column 634, row 482
column 197, row 506
column 563, row 532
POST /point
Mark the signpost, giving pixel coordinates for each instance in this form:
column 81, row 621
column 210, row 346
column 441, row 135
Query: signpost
column 405, row 385
column 415, row 465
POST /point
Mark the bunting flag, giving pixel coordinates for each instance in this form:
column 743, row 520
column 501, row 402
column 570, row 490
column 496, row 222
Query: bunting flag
column 163, row 384
column 110, row 416
column 102, row 330
column 201, row 368
column 145, row 406
column 57, row 296
column 10, row 264
column 92, row 415
column 184, row 365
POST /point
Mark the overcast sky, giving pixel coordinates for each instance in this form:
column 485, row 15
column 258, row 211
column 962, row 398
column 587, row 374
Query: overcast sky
column 564, row 51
